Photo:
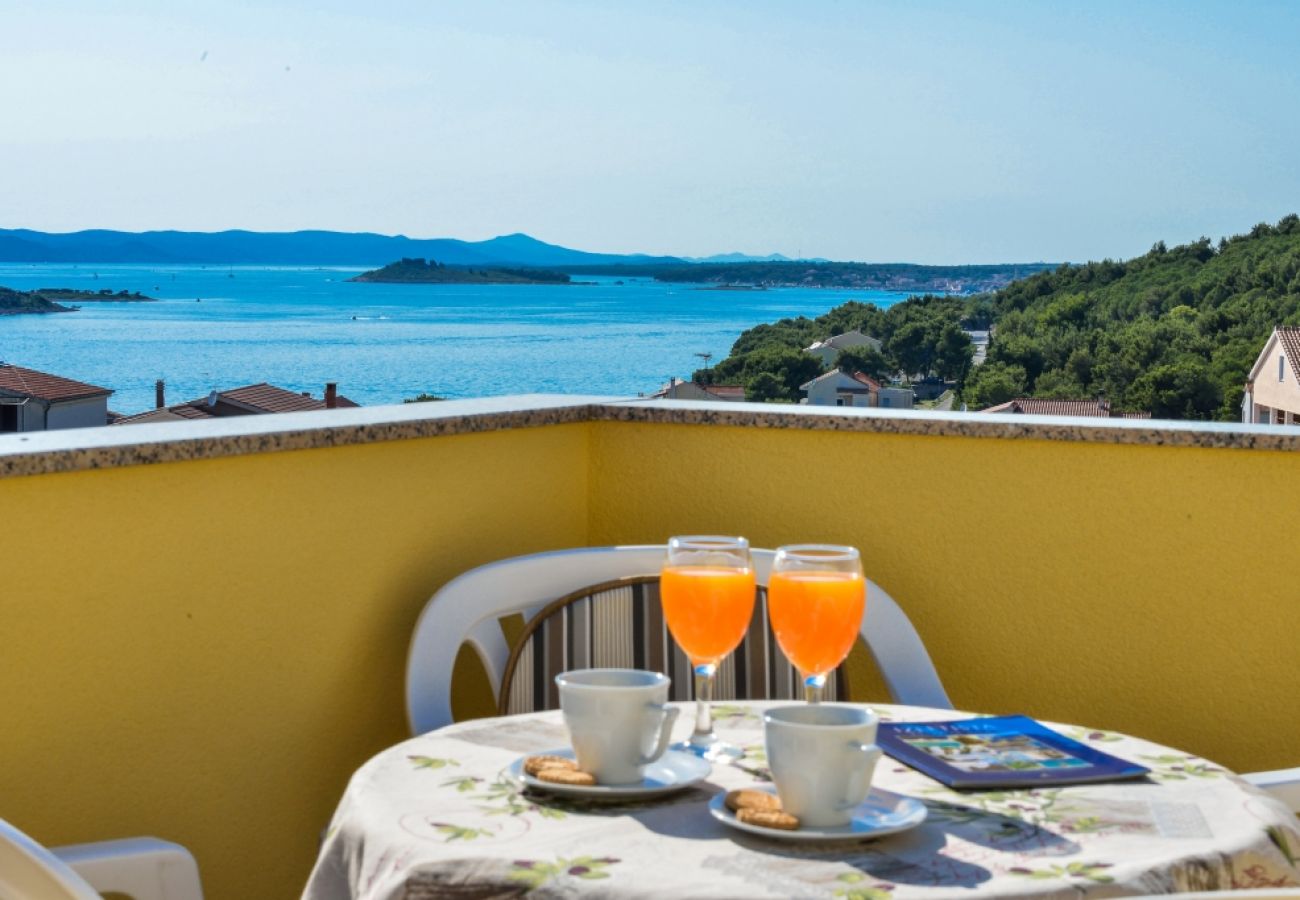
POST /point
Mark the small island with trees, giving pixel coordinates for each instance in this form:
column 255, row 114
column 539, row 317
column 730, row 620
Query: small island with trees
column 51, row 300
column 421, row 271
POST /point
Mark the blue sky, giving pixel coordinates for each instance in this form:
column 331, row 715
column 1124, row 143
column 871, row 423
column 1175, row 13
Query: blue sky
column 927, row 132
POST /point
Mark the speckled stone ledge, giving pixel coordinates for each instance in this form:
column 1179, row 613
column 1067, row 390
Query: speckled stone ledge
column 128, row 445
column 1148, row 432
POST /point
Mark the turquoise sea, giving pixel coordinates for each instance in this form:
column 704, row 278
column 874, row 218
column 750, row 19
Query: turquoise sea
column 220, row 327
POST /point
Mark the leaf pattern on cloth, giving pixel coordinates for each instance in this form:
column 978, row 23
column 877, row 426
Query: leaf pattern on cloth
column 536, row 873
column 431, row 762
column 460, row 832
column 1090, row 871
column 1181, row 767
column 856, row 890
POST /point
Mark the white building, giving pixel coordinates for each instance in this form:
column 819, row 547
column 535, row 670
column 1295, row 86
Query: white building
column 838, row 388
column 830, row 348
column 37, row 401
column 1273, row 386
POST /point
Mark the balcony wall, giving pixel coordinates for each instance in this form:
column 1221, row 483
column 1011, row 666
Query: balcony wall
column 206, row 624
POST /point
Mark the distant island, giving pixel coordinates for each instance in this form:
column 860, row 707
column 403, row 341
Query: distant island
column 14, row 303
column 901, row 277
column 422, row 271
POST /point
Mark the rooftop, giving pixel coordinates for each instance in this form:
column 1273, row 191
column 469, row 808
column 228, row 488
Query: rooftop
column 1034, row 406
column 44, row 386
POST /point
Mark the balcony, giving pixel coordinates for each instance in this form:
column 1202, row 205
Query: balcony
column 206, row 623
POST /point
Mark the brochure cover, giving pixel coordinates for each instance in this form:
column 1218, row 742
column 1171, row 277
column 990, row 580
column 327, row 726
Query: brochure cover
column 999, row 752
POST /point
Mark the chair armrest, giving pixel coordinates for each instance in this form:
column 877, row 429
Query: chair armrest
column 1281, row 783
column 145, row 868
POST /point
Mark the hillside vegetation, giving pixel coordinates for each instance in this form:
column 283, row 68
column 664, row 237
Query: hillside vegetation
column 1174, row 331
column 921, row 335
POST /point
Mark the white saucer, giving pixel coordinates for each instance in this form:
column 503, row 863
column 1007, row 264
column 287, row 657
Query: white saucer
column 671, row 772
column 882, row 813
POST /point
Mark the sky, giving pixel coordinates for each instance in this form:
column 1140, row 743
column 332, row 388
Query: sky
column 926, row 132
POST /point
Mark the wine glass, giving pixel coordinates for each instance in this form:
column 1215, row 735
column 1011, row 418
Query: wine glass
column 815, row 599
column 707, row 591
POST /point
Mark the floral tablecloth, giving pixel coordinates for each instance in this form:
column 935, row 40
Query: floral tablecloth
column 436, row 816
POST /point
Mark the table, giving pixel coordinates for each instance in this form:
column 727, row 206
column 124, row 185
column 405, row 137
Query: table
column 435, row 816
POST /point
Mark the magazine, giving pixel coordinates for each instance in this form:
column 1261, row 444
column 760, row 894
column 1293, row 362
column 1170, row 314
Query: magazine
column 999, row 752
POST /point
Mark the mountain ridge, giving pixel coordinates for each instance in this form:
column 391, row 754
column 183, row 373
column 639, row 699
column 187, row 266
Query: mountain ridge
column 306, row 247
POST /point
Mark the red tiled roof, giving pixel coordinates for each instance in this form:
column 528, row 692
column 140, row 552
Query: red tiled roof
column 726, row 391
column 167, row 414
column 866, row 379
column 43, row 386
column 1289, row 337
column 1035, row 407
column 271, row 399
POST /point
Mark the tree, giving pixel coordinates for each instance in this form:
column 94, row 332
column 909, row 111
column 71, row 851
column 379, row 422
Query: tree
column 865, row 359
column 423, row 398
column 764, row 388
column 953, row 353
column 994, row 383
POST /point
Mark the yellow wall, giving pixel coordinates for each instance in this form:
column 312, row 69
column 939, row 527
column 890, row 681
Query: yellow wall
column 206, row 650
column 1137, row 588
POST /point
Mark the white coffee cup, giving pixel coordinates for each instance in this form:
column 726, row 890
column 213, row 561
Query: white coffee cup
column 822, row 757
column 618, row 720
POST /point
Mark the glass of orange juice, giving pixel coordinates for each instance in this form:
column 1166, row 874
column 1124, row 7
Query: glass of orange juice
column 707, row 591
column 815, row 599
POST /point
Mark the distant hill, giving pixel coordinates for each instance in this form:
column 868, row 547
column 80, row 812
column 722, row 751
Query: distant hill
column 420, row 271
column 1174, row 331
column 303, row 248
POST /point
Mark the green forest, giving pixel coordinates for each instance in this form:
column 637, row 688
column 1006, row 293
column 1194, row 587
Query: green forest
column 921, row 335
column 1173, row 332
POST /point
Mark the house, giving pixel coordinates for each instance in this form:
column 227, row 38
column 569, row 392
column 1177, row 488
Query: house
column 250, row 400
column 830, row 348
column 839, row 388
column 677, row 389
column 1273, row 385
column 1032, row 406
column 37, row 401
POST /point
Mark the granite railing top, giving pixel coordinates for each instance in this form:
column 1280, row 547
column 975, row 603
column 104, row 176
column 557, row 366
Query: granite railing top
column 79, row 449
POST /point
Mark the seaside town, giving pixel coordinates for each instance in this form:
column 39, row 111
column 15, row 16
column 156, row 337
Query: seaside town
column 41, row 401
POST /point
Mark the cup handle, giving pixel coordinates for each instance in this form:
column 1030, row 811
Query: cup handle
column 670, row 714
column 867, row 757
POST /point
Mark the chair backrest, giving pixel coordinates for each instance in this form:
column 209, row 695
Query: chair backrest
column 620, row 624
column 28, row 871
column 468, row 608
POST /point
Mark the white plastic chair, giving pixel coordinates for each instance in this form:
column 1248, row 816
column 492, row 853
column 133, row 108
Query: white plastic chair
column 140, row 868
column 467, row 608
column 1281, row 783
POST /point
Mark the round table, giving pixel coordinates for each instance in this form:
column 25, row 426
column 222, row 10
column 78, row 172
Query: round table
column 436, row 816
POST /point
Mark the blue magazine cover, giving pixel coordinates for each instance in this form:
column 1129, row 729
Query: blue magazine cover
column 999, row 752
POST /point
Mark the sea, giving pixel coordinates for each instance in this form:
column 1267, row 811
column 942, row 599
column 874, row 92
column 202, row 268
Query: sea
column 219, row 327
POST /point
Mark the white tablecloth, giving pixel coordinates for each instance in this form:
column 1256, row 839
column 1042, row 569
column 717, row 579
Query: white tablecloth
column 436, row 816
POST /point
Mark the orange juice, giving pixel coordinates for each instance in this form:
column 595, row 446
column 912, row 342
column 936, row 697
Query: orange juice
column 816, row 616
column 707, row 608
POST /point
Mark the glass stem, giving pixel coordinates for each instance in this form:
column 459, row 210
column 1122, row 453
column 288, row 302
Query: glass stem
column 703, row 704
column 813, row 687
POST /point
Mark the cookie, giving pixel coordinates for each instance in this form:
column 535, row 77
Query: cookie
column 566, row 776
column 535, row 764
column 768, row 818
column 751, row 799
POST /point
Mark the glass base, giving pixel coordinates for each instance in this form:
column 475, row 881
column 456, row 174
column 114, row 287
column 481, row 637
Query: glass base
column 712, row 750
